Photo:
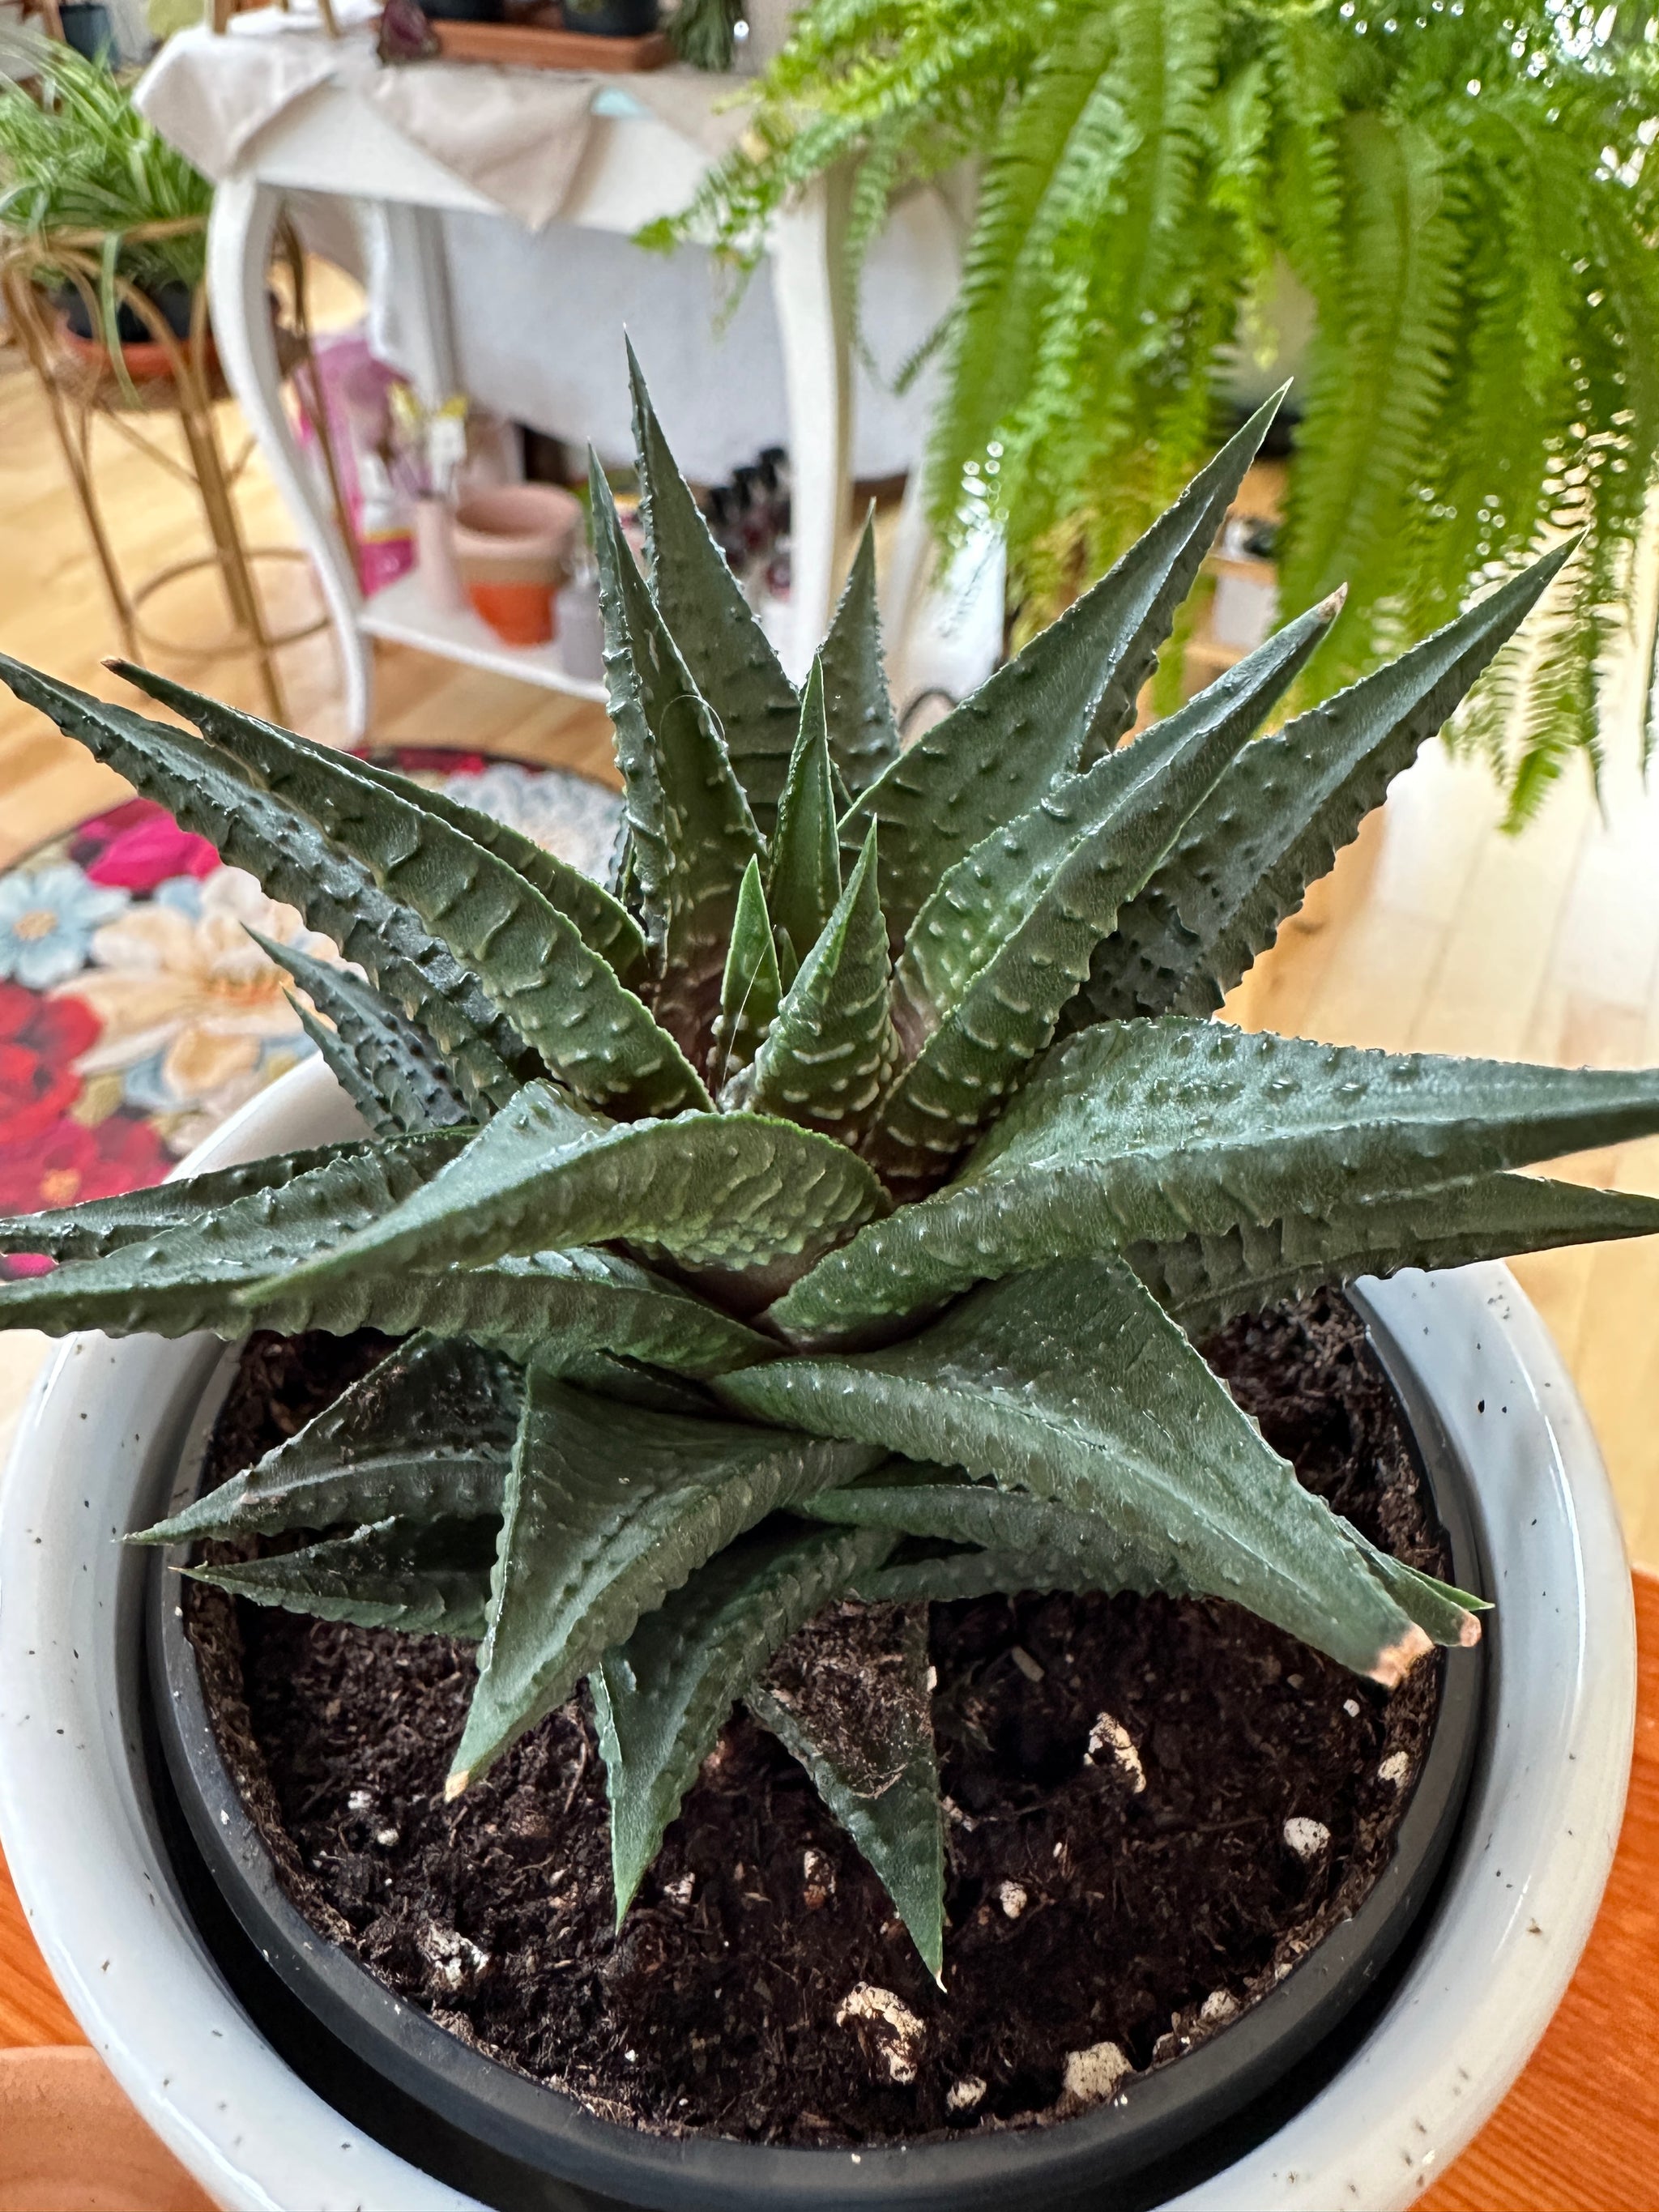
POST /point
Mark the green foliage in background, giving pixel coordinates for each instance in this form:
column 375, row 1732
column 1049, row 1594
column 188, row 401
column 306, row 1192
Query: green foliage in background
column 81, row 157
column 832, row 1208
column 1460, row 185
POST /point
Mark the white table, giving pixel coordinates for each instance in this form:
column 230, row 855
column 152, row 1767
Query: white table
column 635, row 167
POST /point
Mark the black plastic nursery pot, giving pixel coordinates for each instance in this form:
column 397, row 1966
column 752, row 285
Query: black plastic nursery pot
column 515, row 2143
column 172, row 302
column 87, row 27
column 611, row 19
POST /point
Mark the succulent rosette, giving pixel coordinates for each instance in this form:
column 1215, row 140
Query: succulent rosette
column 832, row 1206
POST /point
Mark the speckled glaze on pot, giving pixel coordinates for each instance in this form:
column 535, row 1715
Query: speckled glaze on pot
column 101, row 1440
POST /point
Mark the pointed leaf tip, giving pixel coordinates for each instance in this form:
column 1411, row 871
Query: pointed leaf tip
column 702, row 605
column 804, row 880
column 1395, row 1660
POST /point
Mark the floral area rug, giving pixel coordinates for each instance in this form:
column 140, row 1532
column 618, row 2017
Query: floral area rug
column 136, row 1012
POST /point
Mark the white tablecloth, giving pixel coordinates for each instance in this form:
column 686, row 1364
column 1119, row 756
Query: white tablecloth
column 539, row 304
column 516, row 135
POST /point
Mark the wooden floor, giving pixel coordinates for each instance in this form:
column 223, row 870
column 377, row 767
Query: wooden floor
column 1436, row 933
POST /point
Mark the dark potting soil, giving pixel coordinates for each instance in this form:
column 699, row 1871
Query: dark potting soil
column 1131, row 1785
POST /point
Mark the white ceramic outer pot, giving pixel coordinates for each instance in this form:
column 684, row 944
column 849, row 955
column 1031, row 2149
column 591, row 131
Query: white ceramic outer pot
column 98, row 1446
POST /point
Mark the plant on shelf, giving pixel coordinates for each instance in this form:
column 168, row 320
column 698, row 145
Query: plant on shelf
column 81, row 160
column 1462, row 191
column 703, row 31
column 829, row 1207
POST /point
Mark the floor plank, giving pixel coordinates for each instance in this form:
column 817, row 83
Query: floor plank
column 31, row 2010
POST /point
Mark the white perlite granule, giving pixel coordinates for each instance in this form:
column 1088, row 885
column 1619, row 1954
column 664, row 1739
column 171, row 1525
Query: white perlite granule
column 1091, row 2076
column 1220, row 2004
column 962, row 2096
column 681, row 1890
column 1307, row 1838
column 1107, row 1734
column 900, row 2045
column 818, row 1880
column 1395, row 1768
column 1012, row 1897
column 454, row 1958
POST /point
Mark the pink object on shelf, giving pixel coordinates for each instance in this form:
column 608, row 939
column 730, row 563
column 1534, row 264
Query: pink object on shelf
column 377, row 494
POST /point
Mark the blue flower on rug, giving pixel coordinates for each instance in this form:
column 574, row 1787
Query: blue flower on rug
column 47, row 920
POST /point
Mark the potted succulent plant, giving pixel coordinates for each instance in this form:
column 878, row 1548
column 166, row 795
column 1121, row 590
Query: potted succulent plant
column 774, row 1282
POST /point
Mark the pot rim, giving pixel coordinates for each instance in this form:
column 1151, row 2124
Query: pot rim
column 1525, row 1880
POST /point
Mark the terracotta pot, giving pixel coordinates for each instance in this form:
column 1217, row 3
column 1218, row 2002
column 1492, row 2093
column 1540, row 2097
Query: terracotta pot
column 147, row 360
column 513, row 549
column 70, row 2141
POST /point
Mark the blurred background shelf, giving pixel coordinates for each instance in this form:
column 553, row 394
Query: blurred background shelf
column 402, row 615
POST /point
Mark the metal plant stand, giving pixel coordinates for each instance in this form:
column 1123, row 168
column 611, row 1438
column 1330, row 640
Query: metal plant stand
column 133, row 385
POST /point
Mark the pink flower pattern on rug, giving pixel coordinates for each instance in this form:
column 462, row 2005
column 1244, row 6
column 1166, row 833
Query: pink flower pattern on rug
column 138, row 1011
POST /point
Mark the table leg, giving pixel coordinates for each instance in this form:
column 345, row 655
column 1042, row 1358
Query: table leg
column 417, row 280
column 908, row 573
column 240, row 237
column 815, row 324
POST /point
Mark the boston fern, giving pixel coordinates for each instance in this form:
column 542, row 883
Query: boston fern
column 1461, row 190
column 829, row 1209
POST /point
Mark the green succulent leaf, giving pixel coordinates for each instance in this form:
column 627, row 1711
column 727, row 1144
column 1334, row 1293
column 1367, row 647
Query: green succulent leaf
column 990, row 894
column 693, row 833
column 703, row 608
column 719, row 1190
column 568, row 1307
column 295, row 862
column 632, row 1383
column 1204, row 1281
column 827, row 1058
column 198, row 1274
column 1444, row 1613
column 926, row 1572
column 317, row 782
column 751, row 989
column 1070, row 1382
column 201, row 1270
column 607, row 1509
column 425, row 1436
column 1159, row 1131
column 661, row 1699
column 102, row 1225
column 1082, row 1545
column 803, row 881
column 864, row 738
column 430, row 1577
column 1074, row 684
column 563, row 998
column 387, row 1066
column 849, row 1696
column 1088, row 848
column 1274, row 822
